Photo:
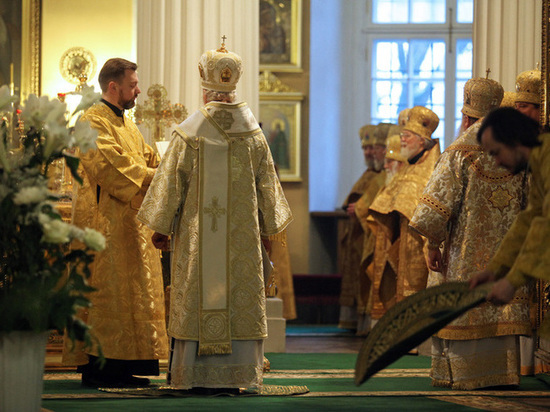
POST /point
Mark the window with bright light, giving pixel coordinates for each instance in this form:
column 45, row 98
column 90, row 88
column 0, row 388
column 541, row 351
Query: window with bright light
column 421, row 56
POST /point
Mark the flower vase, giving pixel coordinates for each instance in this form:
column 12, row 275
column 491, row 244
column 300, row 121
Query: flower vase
column 22, row 356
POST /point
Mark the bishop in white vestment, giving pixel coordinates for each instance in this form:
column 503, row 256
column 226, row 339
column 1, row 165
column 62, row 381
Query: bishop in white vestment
column 217, row 194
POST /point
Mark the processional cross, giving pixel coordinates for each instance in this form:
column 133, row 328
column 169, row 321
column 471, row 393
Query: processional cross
column 215, row 211
column 158, row 113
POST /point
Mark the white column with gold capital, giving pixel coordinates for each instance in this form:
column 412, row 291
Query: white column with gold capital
column 173, row 34
column 507, row 38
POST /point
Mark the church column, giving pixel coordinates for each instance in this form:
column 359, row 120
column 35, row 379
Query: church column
column 172, row 35
column 507, row 38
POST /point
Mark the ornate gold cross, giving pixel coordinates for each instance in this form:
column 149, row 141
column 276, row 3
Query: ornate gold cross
column 215, row 211
column 157, row 113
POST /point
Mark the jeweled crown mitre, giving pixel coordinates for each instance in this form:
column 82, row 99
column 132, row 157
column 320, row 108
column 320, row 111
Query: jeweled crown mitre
column 528, row 86
column 393, row 148
column 403, row 116
column 481, row 96
column 366, row 133
column 220, row 69
column 381, row 133
column 508, row 100
column 422, row 121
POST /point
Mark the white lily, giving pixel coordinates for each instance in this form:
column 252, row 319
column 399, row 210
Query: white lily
column 31, row 194
column 94, row 240
column 56, row 231
column 84, row 136
column 56, row 139
column 89, row 97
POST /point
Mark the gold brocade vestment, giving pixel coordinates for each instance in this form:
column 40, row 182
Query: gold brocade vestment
column 256, row 207
column 351, row 246
column 127, row 313
column 469, row 204
column 524, row 253
column 364, row 301
column 282, row 273
column 399, row 266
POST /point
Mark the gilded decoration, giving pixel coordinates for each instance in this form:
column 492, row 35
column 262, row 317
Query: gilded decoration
column 500, row 198
column 157, row 113
column 224, row 119
column 76, row 63
column 215, row 211
column 269, row 83
column 30, row 48
column 545, row 55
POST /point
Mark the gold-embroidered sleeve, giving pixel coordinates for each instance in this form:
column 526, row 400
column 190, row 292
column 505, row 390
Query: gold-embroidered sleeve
column 524, row 250
column 274, row 212
column 117, row 170
column 168, row 188
column 440, row 199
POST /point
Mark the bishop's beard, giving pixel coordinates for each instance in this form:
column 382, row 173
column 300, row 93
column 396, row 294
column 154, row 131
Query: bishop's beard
column 370, row 163
column 378, row 165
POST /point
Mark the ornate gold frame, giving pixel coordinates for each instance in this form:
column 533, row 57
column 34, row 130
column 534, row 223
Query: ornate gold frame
column 30, row 48
column 284, row 110
column 545, row 57
column 290, row 61
column 281, row 104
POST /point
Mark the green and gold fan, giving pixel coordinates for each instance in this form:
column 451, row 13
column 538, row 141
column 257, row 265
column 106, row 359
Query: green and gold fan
column 412, row 321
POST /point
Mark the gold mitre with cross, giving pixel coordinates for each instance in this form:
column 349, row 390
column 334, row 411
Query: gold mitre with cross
column 421, row 121
column 481, row 95
column 381, row 133
column 220, row 69
column 528, row 85
column 366, row 134
column 393, row 144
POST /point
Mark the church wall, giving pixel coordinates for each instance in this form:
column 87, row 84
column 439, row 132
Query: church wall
column 104, row 30
column 297, row 192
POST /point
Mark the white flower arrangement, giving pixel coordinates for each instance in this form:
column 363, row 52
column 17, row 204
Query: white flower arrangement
column 42, row 274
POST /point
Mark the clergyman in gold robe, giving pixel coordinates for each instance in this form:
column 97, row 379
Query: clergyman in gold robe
column 127, row 313
column 351, row 242
column 217, row 194
column 393, row 163
column 399, row 267
column 466, row 209
column 523, row 256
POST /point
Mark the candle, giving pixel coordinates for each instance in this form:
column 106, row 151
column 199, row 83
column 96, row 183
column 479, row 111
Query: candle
column 12, row 86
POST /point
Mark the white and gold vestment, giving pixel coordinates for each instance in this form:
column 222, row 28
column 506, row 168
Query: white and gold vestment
column 468, row 205
column 216, row 191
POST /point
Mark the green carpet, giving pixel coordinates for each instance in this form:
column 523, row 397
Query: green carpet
column 405, row 385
